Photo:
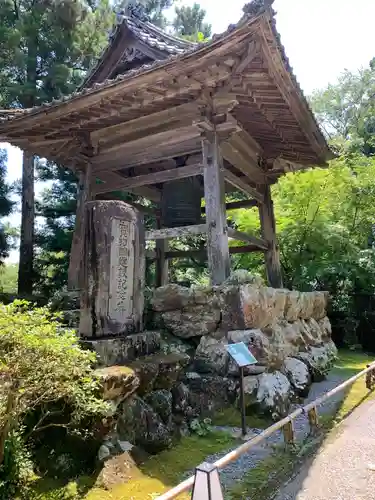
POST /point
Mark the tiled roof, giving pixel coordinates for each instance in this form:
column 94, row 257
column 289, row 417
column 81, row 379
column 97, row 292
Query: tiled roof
column 177, row 48
column 155, row 37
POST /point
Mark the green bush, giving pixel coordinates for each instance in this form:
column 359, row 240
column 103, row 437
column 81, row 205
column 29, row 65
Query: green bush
column 17, row 468
column 46, row 379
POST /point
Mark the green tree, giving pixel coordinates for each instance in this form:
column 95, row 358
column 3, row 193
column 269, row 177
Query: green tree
column 154, row 9
column 41, row 364
column 346, row 110
column 6, row 207
column 324, row 219
column 189, row 21
column 8, row 278
column 45, row 47
column 58, row 203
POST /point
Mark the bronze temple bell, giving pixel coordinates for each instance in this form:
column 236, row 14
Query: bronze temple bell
column 181, row 201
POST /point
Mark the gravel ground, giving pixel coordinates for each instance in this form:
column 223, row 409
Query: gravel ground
column 234, row 471
column 344, row 467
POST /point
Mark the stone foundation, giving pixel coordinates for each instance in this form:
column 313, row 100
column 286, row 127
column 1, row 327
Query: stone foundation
column 182, row 371
column 158, row 381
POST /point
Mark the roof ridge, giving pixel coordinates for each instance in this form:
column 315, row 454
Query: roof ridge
column 169, row 36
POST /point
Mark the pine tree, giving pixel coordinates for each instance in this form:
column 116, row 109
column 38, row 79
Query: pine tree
column 6, row 207
column 58, row 203
column 153, row 8
column 45, row 47
column 189, row 21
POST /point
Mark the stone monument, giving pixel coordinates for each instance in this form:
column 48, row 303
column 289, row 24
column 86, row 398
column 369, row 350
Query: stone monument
column 112, row 298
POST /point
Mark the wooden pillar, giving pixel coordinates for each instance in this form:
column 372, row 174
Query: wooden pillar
column 161, row 261
column 268, row 227
column 214, row 194
column 76, row 252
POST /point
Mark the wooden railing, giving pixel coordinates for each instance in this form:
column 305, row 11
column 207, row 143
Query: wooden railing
column 286, row 425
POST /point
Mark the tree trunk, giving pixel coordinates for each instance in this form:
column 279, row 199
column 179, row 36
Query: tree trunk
column 25, row 272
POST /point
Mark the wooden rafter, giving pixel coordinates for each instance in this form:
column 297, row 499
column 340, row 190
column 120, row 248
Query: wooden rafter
column 242, row 186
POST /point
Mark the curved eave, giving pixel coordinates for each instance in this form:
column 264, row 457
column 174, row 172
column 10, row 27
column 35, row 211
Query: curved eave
column 134, row 82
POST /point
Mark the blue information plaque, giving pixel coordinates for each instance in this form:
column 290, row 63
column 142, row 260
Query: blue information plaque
column 241, row 354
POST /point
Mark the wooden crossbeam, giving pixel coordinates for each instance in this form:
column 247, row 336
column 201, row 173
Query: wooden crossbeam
column 235, row 205
column 154, row 178
column 112, row 182
column 183, row 113
column 239, row 236
column 201, row 253
column 175, row 232
column 242, row 186
column 111, row 158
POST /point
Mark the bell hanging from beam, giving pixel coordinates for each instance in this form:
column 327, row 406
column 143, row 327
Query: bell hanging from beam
column 181, row 202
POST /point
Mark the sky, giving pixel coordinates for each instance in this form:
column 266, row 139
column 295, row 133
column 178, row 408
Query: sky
column 322, row 38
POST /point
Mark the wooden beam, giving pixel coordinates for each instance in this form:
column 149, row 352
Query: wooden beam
column 251, row 52
column 112, row 182
column 201, row 253
column 182, row 114
column 214, row 193
column 76, row 253
column 242, row 186
column 112, row 158
column 155, row 178
column 268, row 226
column 239, row 236
column 242, row 162
column 235, row 205
column 175, row 232
column 190, row 146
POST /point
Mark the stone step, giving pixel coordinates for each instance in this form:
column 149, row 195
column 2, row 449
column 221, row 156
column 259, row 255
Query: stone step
column 122, row 350
column 159, row 371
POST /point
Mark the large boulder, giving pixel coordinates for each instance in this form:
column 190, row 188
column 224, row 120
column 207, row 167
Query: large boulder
column 117, row 382
column 292, row 305
column 269, row 394
column 159, row 371
column 161, row 402
column 171, row 344
column 211, row 356
column 319, row 359
column 140, row 424
column 325, row 328
column 283, row 341
column 193, row 321
column 261, row 306
column 293, row 334
column 320, row 305
column 258, row 344
column 119, row 351
column 171, row 297
column 298, row 375
column 181, row 401
column 311, row 332
column 118, row 470
column 307, row 300
column 208, row 393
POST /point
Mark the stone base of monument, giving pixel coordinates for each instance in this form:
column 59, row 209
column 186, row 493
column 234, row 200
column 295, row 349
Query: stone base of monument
column 121, row 350
column 182, row 371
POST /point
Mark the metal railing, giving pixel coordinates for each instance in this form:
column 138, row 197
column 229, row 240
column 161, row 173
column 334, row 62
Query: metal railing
column 286, row 425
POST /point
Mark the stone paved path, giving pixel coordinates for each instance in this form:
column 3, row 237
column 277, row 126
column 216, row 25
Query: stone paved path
column 344, row 468
column 234, row 471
